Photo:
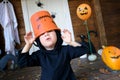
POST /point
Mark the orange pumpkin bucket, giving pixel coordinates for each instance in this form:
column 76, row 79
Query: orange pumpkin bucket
column 42, row 22
column 111, row 57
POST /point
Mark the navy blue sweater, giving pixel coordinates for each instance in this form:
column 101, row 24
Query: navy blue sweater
column 55, row 65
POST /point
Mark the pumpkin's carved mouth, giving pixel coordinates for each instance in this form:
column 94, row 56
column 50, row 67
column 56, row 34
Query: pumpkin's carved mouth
column 116, row 57
column 84, row 13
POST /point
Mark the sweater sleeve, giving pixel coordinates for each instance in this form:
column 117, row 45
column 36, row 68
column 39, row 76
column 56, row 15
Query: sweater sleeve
column 78, row 51
column 26, row 60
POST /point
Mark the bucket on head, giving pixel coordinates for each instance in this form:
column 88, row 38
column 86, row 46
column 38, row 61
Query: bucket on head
column 42, row 22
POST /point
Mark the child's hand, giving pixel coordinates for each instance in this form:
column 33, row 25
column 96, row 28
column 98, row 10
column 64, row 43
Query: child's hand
column 66, row 36
column 29, row 38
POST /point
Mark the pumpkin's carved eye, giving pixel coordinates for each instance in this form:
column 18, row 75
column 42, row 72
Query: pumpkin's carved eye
column 86, row 8
column 80, row 9
column 109, row 51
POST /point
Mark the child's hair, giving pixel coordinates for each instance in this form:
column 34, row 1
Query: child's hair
column 58, row 43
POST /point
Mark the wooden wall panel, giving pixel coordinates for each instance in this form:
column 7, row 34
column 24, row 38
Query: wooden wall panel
column 111, row 17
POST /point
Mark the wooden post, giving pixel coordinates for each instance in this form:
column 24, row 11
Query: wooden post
column 99, row 22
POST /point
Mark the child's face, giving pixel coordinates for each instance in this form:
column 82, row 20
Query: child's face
column 48, row 40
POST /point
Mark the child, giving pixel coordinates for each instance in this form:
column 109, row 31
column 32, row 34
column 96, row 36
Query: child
column 53, row 57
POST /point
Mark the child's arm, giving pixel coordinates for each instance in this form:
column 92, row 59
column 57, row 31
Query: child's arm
column 68, row 39
column 29, row 39
column 73, row 43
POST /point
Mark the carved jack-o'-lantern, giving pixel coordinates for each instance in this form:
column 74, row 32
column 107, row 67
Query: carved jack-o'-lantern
column 111, row 57
column 83, row 11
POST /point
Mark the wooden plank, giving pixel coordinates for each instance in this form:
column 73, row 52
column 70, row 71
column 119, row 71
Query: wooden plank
column 99, row 22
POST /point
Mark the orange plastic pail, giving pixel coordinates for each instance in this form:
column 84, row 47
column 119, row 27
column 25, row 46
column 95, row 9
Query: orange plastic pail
column 42, row 22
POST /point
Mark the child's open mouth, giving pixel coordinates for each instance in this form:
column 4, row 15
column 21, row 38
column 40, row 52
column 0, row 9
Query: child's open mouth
column 48, row 39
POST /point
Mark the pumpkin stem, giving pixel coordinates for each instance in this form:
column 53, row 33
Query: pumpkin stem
column 103, row 46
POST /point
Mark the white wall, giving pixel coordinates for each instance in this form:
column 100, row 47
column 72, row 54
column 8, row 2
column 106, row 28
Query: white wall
column 59, row 7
